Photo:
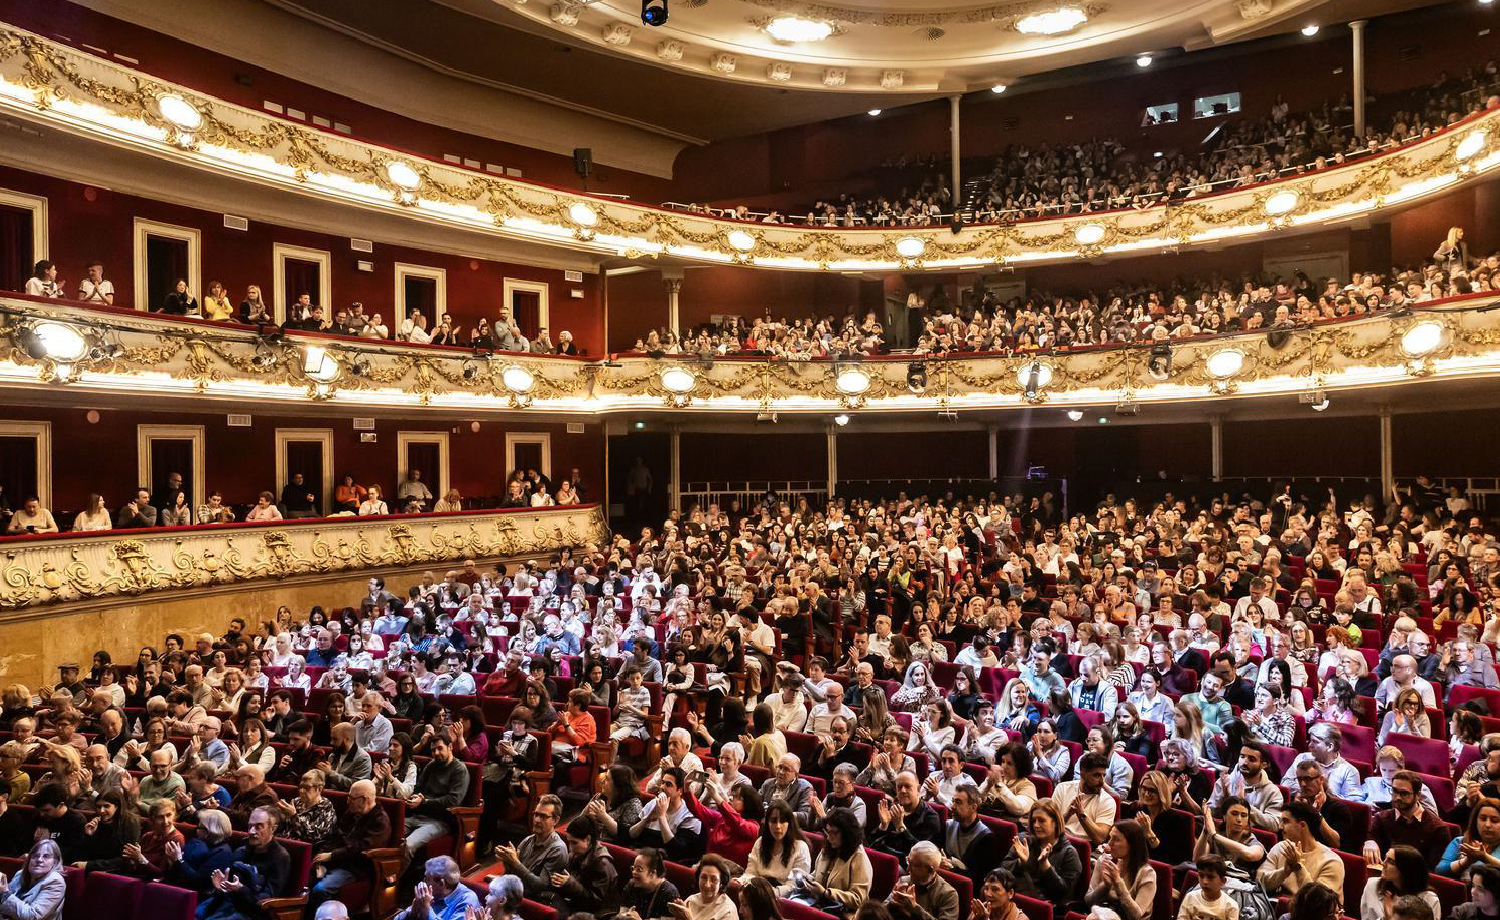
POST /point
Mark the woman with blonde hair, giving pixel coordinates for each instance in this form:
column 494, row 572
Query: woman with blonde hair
column 1452, row 256
column 450, row 502
column 1407, row 715
column 94, row 516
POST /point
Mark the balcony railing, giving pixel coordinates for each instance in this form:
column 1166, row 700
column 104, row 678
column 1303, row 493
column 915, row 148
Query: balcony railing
column 74, row 92
column 58, row 568
column 46, row 344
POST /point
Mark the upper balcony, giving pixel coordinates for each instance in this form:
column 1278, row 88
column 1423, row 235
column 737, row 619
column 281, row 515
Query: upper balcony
column 90, row 100
column 56, row 351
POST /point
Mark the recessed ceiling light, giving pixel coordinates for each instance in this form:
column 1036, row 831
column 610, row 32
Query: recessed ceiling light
column 797, row 29
column 1075, row 415
column 1310, row 30
column 1052, row 22
column 841, row 420
column 1143, row 61
column 873, row 112
column 998, row 88
column 1157, row 154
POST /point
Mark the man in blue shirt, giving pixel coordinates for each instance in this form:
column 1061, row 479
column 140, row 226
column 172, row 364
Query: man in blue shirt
column 440, row 895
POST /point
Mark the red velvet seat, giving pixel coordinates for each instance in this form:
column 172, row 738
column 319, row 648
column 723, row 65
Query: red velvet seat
column 965, row 889
column 164, row 902
column 885, row 870
column 1034, row 909
column 1423, row 755
column 792, row 910
column 109, row 895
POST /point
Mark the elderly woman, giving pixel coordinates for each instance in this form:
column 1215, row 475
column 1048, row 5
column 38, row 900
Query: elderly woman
column 311, row 818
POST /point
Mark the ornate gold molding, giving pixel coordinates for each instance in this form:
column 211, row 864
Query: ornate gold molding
column 44, row 81
column 127, row 353
column 87, row 567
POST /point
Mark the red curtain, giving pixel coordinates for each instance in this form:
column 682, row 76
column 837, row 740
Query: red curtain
column 16, row 257
column 526, row 307
column 302, row 277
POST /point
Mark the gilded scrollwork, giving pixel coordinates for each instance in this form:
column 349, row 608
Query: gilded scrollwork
column 299, row 157
column 91, row 567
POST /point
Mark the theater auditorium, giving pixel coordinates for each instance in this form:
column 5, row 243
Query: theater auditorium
column 749, row 460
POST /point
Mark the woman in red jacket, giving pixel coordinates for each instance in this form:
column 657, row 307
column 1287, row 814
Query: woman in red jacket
column 731, row 820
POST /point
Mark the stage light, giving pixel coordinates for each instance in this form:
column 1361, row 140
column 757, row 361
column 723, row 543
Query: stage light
column 318, row 364
column 1089, row 234
column 1159, row 364
column 60, row 342
column 1422, row 338
column 518, row 379
column 181, row 113
column 1282, row 202
column 402, row 175
column 678, row 379
column 1469, row 145
column 852, row 381
column 1052, row 22
column 916, row 377
column 741, row 241
column 654, row 12
column 1033, row 377
column 797, row 29
column 1225, row 363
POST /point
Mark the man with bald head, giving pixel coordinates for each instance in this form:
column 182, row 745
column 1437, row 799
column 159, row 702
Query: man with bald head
column 105, row 774
column 160, row 784
column 251, row 792
column 786, row 785
column 362, row 827
column 332, row 910
column 346, row 763
column 905, row 819
column 1404, row 677
column 112, row 733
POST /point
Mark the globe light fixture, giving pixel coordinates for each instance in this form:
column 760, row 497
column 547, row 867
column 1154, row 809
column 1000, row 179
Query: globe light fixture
column 1282, row 202
column 910, row 247
column 582, row 215
column 740, row 240
column 318, row 364
column 1225, row 363
column 181, row 113
column 58, row 341
column 1423, row 338
column 517, row 379
column 852, row 381
column 678, row 379
column 402, row 175
column 1089, row 234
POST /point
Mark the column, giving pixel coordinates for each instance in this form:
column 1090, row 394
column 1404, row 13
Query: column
column 674, row 488
column 953, row 137
column 1216, row 436
column 1357, row 29
column 1387, row 458
column 994, row 451
column 674, row 294
column 833, row 460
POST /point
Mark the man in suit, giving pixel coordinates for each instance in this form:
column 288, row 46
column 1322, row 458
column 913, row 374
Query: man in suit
column 138, row 512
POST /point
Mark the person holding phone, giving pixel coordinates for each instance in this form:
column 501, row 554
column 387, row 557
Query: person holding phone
column 32, row 518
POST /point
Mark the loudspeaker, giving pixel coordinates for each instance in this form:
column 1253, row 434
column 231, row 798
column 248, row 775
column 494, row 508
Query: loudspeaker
column 583, row 161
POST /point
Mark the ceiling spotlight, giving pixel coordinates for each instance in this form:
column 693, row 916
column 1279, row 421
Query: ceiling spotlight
column 797, row 29
column 910, row 247
column 1052, row 22
column 1422, row 338
column 582, row 215
column 1282, row 202
column 181, row 113
column 916, row 377
column 1075, row 415
column 1143, row 61
column 62, row 343
column 654, row 12
column 1225, row 363
column 998, row 88
column 1470, row 145
column 852, row 381
column 841, row 420
column 318, row 364
column 1103, row 420
column 1310, row 30
column 518, row 379
column 678, row 379
column 402, row 175
column 873, row 112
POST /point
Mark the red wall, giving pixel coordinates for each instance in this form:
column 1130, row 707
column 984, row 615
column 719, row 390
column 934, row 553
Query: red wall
column 220, row 75
column 1437, row 443
column 721, row 456
column 87, row 222
column 1069, row 108
column 242, row 461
